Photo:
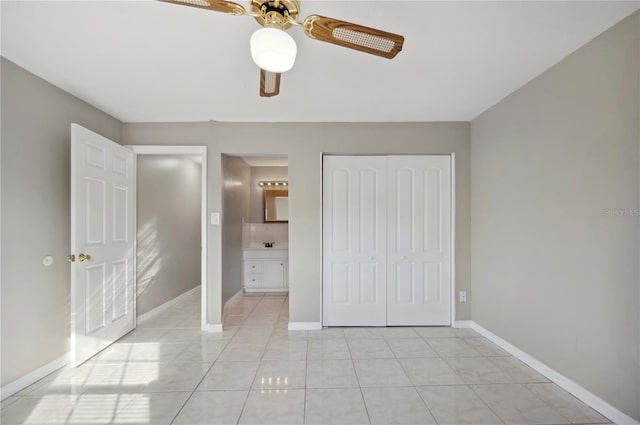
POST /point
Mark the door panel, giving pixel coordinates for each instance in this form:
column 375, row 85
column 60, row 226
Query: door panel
column 96, row 287
column 102, row 226
column 354, row 234
column 120, row 286
column 402, row 201
column 273, row 273
column 419, row 260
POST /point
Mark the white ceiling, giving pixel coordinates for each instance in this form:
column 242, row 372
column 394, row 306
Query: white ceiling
column 152, row 61
column 267, row 161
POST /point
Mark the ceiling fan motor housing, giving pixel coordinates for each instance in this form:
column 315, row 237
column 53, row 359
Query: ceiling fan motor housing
column 275, row 13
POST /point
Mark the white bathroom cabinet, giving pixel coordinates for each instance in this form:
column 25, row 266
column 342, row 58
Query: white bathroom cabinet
column 266, row 270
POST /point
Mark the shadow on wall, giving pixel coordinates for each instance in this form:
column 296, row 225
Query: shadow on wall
column 149, row 262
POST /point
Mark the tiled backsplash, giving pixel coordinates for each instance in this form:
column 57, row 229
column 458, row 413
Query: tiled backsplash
column 257, row 233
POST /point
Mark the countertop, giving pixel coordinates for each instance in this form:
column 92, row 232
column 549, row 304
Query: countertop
column 260, row 246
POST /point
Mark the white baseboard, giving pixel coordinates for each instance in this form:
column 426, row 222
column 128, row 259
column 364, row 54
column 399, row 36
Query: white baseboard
column 34, row 376
column 462, row 324
column 266, row 291
column 305, row 326
column 598, row 404
column 230, row 302
column 212, row 328
column 162, row 307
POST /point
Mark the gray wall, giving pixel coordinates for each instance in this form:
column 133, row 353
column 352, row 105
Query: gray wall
column 555, row 198
column 36, row 121
column 256, row 207
column 236, row 175
column 304, row 190
column 168, row 228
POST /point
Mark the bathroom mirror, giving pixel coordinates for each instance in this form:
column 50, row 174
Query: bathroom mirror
column 276, row 205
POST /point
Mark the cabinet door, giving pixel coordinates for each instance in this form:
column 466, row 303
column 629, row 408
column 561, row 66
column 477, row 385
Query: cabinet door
column 286, row 274
column 273, row 274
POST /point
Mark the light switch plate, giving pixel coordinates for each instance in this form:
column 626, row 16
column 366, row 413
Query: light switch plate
column 463, row 296
column 215, row 218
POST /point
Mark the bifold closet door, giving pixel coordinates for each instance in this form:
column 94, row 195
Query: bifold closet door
column 354, row 240
column 419, row 240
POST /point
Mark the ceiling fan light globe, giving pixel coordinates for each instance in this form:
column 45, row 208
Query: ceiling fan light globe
column 273, row 50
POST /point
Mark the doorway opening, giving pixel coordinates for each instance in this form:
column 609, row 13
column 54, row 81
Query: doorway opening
column 255, row 231
column 171, row 246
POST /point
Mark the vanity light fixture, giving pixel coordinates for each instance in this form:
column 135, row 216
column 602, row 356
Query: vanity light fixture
column 263, row 183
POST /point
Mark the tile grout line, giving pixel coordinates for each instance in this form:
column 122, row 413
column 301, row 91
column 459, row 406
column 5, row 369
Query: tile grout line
column 547, row 404
column 191, row 395
column 244, row 405
column 204, row 376
column 485, row 403
column 257, row 316
column 414, row 386
column 199, row 382
column 306, row 368
column 355, row 372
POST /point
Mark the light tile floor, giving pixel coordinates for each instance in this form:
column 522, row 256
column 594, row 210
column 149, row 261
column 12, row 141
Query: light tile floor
column 258, row 372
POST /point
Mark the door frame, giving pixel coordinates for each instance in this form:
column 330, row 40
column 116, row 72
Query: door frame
column 200, row 151
column 452, row 155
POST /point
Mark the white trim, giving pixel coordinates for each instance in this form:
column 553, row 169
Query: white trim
column 202, row 152
column 34, row 376
column 135, row 243
column 266, row 291
column 305, row 326
column 462, row 324
column 452, row 243
column 592, row 400
column 167, row 149
column 321, row 195
column 162, row 307
column 212, row 328
column 230, row 302
column 203, row 236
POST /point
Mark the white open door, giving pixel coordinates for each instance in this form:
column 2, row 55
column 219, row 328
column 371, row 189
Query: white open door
column 354, row 240
column 419, row 245
column 102, row 243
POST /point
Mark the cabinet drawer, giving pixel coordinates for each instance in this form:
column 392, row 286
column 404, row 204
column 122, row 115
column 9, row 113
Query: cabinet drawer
column 252, row 266
column 253, row 280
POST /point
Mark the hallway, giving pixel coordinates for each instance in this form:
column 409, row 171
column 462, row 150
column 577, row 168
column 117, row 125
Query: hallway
column 169, row 372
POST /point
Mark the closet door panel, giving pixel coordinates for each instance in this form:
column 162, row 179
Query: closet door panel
column 419, row 234
column 354, row 241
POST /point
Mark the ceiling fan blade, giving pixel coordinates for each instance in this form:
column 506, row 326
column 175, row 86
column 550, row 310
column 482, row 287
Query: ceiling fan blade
column 269, row 83
column 353, row 36
column 215, row 5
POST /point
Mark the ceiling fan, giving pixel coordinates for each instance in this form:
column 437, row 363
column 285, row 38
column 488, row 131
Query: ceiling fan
column 274, row 51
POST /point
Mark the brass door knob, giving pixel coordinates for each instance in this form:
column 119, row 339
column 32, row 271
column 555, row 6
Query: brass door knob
column 83, row 257
column 71, row 258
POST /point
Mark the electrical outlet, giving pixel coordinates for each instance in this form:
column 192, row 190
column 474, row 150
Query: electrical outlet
column 463, row 296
